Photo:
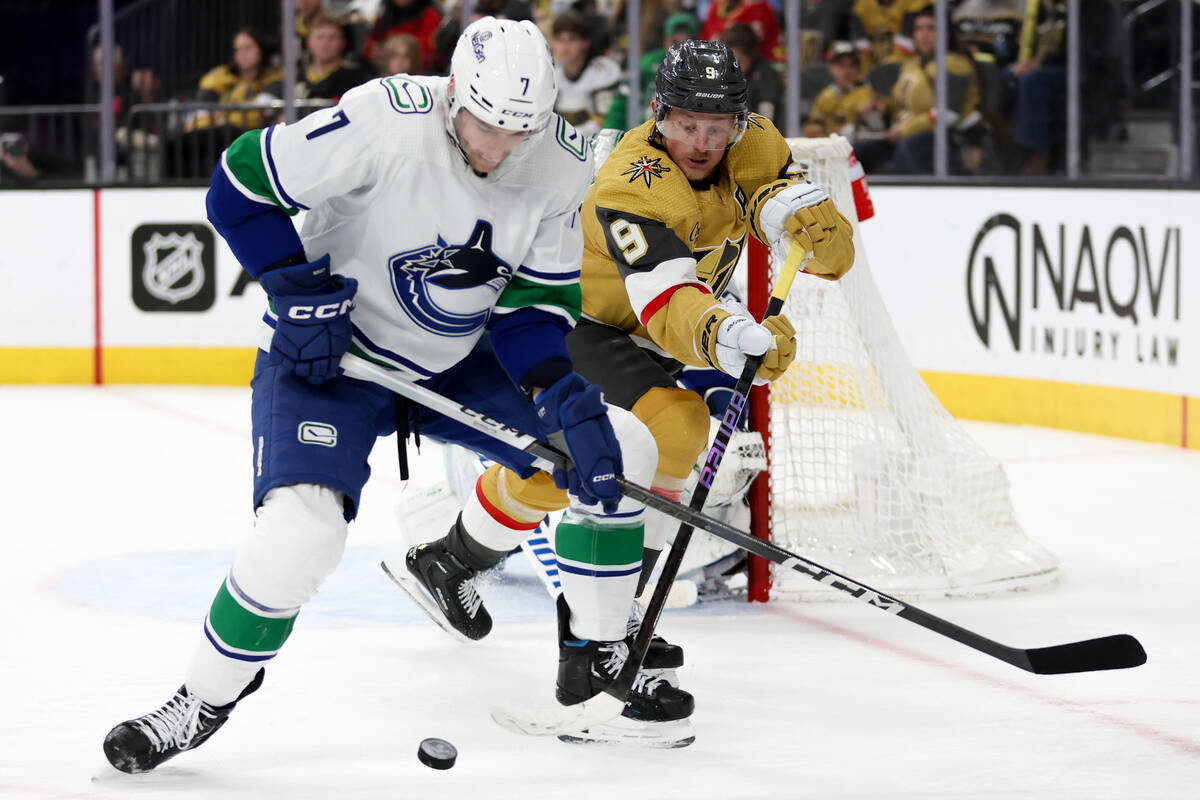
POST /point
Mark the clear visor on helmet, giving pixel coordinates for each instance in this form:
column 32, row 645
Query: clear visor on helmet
column 702, row 131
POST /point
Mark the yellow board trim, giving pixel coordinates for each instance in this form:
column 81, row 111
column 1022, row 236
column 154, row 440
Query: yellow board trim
column 47, row 364
column 1107, row 410
column 205, row 366
column 210, row 366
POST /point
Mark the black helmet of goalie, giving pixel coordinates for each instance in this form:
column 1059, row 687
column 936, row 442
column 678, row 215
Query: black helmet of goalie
column 503, row 73
column 704, row 78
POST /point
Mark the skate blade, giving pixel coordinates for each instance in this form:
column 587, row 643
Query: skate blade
column 636, row 733
column 558, row 719
column 164, row 773
column 397, row 570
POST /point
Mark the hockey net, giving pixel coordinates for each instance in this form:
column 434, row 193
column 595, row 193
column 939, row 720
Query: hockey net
column 869, row 475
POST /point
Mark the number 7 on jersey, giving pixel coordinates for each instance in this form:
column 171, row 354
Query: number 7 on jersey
column 340, row 120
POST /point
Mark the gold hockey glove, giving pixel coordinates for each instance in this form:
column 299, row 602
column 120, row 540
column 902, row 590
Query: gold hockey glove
column 783, row 353
column 787, row 210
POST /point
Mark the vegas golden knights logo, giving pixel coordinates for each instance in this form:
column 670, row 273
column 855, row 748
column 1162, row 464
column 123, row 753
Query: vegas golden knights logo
column 646, row 168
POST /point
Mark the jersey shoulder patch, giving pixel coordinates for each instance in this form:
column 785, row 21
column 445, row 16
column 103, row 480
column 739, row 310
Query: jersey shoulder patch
column 570, row 139
column 559, row 164
column 643, row 180
column 406, row 95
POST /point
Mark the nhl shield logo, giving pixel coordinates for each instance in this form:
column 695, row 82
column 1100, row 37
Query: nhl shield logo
column 449, row 289
column 173, row 268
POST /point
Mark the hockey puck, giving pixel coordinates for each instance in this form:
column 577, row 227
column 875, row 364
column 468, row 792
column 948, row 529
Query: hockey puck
column 437, row 753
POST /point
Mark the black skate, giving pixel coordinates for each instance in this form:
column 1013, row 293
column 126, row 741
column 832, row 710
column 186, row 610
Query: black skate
column 184, row 723
column 444, row 587
column 656, row 713
column 661, row 654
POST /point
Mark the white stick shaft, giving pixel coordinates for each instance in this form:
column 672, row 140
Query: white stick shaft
column 364, row 370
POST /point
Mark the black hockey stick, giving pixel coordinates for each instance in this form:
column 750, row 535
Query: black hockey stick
column 620, row 687
column 1120, row 651
column 611, row 702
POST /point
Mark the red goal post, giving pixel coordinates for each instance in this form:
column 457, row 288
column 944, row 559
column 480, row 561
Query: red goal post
column 867, row 472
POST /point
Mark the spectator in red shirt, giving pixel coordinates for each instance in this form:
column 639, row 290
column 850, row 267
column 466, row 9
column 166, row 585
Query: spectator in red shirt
column 421, row 18
column 758, row 14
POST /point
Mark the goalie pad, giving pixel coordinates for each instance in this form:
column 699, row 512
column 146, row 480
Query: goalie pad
column 745, row 457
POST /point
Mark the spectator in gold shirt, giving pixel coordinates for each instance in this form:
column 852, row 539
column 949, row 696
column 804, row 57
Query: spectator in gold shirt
column 912, row 105
column 838, row 107
column 247, row 78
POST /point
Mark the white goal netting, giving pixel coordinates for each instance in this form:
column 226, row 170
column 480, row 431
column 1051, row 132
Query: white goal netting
column 869, row 474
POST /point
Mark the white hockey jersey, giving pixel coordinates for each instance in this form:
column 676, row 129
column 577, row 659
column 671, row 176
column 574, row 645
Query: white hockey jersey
column 436, row 249
column 584, row 101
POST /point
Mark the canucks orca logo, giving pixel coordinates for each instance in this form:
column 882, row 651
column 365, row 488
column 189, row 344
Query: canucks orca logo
column 449, row 289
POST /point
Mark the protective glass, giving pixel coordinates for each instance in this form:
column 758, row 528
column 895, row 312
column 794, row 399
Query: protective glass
column 701, row 131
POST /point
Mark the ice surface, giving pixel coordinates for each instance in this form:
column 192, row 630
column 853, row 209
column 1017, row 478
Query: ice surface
column 123, row 505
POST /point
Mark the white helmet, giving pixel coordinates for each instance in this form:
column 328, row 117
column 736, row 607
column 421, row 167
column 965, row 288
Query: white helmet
column 504, row 74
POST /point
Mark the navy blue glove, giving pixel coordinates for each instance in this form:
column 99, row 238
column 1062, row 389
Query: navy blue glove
column 572, row 411
column 312, row 329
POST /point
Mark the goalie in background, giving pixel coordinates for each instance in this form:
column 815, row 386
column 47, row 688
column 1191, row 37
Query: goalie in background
column 664, row 224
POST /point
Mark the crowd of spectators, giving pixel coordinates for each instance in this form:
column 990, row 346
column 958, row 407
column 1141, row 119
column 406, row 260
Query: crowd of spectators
column 1006, row 81
column 868, row 69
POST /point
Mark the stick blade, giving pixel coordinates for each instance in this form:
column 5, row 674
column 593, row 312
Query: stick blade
column 561, row 719
column 1121, row 651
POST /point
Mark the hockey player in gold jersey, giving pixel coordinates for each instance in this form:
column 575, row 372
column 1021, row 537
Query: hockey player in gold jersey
column 664, row 224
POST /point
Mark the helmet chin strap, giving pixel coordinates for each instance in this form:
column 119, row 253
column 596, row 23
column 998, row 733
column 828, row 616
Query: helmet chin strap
column 454, row 107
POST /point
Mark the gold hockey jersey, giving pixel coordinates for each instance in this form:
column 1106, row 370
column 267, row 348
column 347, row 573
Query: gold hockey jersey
column 836, row 108
column 887, row 24
column 658, row 250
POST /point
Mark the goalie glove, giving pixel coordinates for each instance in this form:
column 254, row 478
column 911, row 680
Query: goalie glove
column 738, row 336
column 803, row 212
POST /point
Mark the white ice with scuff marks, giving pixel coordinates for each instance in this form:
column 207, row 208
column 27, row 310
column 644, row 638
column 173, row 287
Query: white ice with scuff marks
column 123, row 505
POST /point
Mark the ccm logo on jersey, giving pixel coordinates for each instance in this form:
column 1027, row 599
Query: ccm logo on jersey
column 327, row 311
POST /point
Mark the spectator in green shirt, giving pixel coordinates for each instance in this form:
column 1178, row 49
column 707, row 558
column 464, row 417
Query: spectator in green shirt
column 678, row 27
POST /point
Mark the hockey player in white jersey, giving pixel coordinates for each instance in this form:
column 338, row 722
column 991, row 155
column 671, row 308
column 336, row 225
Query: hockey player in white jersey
column 442, row 240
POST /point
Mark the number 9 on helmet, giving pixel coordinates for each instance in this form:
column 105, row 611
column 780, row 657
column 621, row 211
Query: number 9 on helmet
column 702, row 77
column 503, row 74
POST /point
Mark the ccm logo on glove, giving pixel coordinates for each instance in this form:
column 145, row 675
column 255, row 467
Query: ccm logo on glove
column 327, row 311
column 573, row 410
column 312, row 329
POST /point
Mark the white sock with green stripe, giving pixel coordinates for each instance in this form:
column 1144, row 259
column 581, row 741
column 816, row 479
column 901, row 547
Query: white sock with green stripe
column 239, row 636
column 297, row 542
column 599, row 559
column 600, row 555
